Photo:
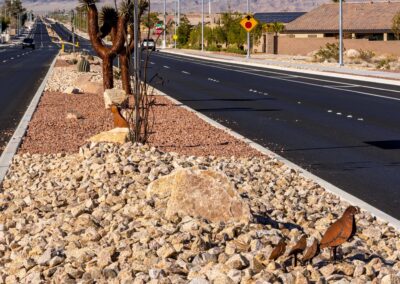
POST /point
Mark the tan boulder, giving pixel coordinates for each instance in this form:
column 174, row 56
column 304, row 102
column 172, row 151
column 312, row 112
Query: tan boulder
column 116, row 135
column 199, row 193
column 114, row 96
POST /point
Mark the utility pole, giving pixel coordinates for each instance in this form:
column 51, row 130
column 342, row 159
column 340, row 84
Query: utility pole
column 176, row 21
column 179, row 12
column 248, row 34
column 164, row 43
column 73, row 31
column 341, row 33
column 202, row 25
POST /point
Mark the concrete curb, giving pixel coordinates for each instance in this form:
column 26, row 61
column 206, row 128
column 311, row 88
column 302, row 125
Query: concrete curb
column 344, row 196
column 12, row 146
column 282, row 68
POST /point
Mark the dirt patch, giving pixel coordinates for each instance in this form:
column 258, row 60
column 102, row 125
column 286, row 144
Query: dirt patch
column 175, row 129
column 50, row 131
column 61, row 63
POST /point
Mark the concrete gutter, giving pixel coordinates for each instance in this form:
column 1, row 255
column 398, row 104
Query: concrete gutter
column 363, row 78
column 12, row 146
column 344, row 196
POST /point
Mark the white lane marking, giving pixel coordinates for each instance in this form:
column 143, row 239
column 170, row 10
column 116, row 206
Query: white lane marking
column 339, row 113
column 4, row 61
column 265, row 94
column 360, row 119
column 349, row 116
column 165, row 66
column 152, row 63
column 18, row 55
column 12, row 58
column 300, row 82
column 329, row 110
column 299, row 103
column 344, row 86
column 185, row 72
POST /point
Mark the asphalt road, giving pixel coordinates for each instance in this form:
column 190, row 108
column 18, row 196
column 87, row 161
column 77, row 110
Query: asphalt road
column 21, row 73
column 344, row 131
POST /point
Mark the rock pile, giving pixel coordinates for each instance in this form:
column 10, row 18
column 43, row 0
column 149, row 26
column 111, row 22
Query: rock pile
column 88, row 218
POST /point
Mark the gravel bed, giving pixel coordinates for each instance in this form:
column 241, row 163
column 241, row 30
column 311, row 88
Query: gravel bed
column 52, row 131
column 86, row 218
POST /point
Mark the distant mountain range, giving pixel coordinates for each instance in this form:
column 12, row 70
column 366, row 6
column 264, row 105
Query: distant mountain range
column 195, row 5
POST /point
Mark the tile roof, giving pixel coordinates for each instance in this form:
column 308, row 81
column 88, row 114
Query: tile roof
column 356, row 17
column 282, row 17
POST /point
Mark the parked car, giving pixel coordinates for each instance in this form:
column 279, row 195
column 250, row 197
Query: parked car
column 28, row 42
column 149, row 44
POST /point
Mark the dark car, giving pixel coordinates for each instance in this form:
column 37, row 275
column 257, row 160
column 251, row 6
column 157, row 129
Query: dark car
column 28, row 42
column 149, row 44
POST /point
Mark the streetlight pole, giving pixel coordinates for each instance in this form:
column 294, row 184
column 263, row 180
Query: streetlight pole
column 73, row 31
column 179, row 12
column 248, row 34
column 176, row 21
column 164, row 43
column 340, row 33
column 202, row 25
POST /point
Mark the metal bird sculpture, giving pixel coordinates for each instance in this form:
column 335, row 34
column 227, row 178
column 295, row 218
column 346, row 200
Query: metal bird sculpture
column 299, row 247
column 119, row 121
column 278, row 251
column 310, row 252
column 340, row 231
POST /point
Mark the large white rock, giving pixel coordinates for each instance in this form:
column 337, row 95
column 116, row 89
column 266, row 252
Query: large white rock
column 352, row 53
column 114, row 96
column 71, row 90
column 199, row 193
column 116, row 135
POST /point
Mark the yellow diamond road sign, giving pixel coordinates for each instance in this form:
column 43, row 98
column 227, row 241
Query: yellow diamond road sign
column 175, row 37
column 248, row 23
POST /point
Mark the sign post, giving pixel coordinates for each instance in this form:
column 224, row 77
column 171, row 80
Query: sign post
column 248, row 23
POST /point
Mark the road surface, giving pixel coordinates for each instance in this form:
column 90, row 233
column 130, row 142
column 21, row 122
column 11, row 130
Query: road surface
column 21, row 73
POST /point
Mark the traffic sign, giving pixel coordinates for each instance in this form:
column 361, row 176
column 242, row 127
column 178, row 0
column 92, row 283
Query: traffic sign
column 175, row 37
column 248, row 23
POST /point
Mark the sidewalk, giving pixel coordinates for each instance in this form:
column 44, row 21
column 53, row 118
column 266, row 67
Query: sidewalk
column 268, row 60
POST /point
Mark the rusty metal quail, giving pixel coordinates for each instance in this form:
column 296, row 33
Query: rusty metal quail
column 340, row 231
column 279, row 250
column 299, row 247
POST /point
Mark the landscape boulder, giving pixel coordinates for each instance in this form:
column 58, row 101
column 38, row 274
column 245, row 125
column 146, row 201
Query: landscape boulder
column 352, row 53
column 199, row 193
column 116, row 135
column 114, row 96
column 71, row 90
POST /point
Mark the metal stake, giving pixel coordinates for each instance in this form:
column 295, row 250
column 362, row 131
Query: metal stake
column 341, row 33
column 164, row 43
column 248, row 34
column 202, row 25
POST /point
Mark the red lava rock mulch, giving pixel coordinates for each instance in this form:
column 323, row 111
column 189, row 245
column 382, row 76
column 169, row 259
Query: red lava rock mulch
column 51, row 132
column 175, row 129
column 181, row 131
column 61, row 63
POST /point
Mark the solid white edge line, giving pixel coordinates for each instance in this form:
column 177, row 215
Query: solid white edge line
column 12, row 146
column 362, row 78
column 343, row 195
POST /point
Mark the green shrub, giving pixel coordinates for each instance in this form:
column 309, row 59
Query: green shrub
column 366, row 55
column 383, row 64
column 329, row 52
column 235, row 50
column 213, row 48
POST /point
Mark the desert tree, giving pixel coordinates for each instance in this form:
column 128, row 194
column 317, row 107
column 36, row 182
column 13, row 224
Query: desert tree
column 96, row 34
column 396, row 25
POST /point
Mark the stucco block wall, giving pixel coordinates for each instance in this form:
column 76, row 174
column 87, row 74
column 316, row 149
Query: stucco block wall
column 303, row 46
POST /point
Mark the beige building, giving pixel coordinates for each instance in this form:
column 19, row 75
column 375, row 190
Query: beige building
column 372, row 21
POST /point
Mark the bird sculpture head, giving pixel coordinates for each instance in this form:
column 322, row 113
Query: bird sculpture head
column 351, row 211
